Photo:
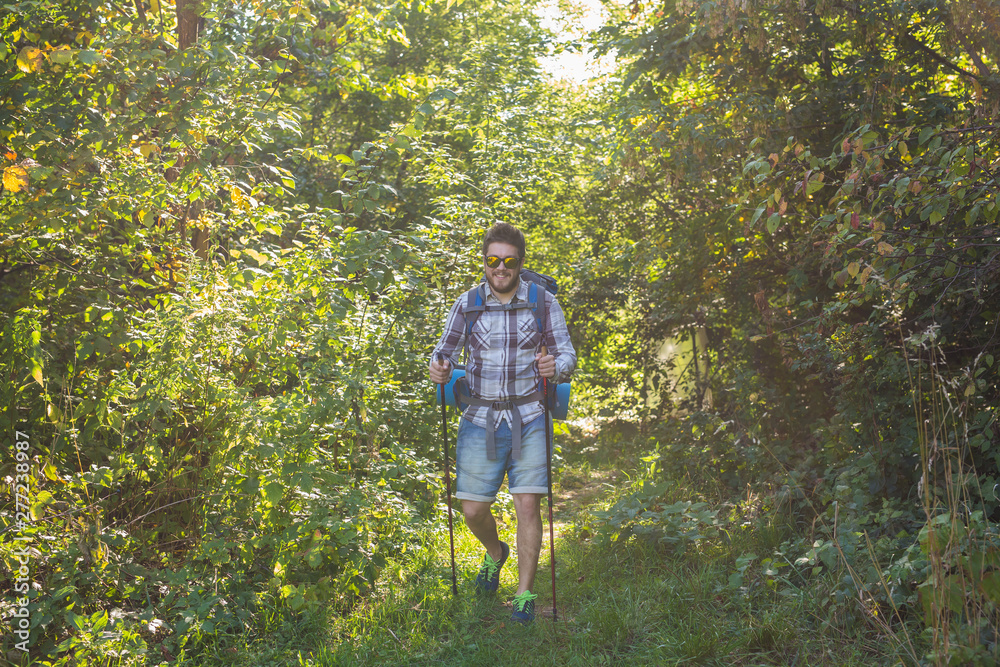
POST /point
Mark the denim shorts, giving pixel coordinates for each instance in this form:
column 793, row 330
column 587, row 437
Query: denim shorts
column 479, row 478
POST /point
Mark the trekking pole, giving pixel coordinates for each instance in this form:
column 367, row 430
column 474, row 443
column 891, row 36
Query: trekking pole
column 548, row 456
column 447, row 485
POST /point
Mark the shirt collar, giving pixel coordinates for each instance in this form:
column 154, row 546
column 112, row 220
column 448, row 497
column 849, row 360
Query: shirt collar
column 520, row 295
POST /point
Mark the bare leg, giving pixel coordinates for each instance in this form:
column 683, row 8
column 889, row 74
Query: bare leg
column 480, row 521
column 529, row 538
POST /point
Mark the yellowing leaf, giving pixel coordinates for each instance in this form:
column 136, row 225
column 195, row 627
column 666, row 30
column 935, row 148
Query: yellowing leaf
column 15, row 178
column 148, row 149
column 52, row 473
column 10, row 155
column 258, row 257
column 853, row 268
column 29, row 59
column 239, row 199
column 36, row 372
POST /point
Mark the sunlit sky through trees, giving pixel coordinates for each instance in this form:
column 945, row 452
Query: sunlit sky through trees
column 575, row 65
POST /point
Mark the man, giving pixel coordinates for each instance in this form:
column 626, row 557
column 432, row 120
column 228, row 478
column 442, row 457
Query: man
column 502, row 431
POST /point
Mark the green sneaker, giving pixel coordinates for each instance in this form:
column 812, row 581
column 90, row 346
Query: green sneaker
column 488, row 580
column 524, row 607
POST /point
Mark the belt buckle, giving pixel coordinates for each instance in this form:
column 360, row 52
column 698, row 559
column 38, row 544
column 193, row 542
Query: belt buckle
column 501, row 405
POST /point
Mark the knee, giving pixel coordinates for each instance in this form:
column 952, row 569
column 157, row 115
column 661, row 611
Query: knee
column 526, row 503
column 475, row 512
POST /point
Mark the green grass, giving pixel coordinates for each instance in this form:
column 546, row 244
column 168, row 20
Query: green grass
column 628, row 603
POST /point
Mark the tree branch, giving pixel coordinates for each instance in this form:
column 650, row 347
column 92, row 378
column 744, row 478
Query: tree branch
column 920, row 46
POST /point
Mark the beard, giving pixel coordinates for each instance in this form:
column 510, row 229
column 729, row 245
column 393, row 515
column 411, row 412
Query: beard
column 505, row 283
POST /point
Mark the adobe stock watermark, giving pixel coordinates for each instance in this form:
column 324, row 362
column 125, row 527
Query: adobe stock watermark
column 20, row 621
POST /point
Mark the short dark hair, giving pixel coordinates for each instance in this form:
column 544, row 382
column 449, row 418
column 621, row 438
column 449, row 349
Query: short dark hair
column 502, row 232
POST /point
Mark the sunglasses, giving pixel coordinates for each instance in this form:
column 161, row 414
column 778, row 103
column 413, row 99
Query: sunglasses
column 493, row 261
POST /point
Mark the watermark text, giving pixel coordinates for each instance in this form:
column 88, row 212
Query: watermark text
column 21, row 619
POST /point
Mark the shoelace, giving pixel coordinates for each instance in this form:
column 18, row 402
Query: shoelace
column 523, row 599
column 490, row 565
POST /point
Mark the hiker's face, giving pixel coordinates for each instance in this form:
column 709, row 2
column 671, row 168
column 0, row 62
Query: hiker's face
column 501, row 279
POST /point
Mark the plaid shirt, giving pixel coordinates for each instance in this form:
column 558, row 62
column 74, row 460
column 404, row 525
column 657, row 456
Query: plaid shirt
column 501, row 362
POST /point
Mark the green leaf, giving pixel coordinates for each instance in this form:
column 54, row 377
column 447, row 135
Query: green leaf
column 991, row 587
column 99, row 620
column 273, row 492
column 42, row 500
column 88, row 57
column 62, row 56
column 76, row 621
column 772, row 222
column 441, row 94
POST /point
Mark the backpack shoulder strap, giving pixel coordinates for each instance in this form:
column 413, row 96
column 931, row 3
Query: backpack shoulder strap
column 537, row 297
column 475, row 305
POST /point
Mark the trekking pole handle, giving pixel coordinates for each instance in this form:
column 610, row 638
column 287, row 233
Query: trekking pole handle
column 545, row 381
column 440, row 357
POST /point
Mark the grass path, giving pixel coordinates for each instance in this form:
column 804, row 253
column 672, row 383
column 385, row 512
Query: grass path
column 629, row 603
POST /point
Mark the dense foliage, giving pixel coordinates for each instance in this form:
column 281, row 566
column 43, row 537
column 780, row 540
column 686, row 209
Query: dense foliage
column 229, row 234
column 813, row 185
column 221, row 281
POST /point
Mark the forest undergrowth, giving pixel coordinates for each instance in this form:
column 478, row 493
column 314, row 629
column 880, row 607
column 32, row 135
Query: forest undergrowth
column 230, row 234
column 708, row 587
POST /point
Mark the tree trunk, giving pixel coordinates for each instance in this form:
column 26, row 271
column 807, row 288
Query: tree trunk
column 187, row 22
column 694, row 359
